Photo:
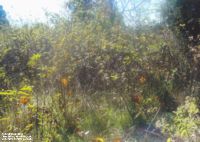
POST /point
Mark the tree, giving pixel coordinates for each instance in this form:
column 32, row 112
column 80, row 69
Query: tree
column 189, row 16
column 190, row 29
column 81, row 9
column 189, row 25
column 182, row 16
column 87, row 10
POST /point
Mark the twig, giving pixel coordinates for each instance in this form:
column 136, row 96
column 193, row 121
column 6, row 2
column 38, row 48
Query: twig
column 153, row 119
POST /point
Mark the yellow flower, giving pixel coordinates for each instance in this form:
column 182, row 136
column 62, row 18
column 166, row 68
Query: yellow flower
column 98, row 139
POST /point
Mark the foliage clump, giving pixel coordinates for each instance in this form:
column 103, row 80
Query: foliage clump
column 184, row 122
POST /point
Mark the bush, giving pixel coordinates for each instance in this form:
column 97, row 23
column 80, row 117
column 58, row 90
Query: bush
column 184, row 122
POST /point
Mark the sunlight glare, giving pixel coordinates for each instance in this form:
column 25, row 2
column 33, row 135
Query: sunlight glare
column 31, row 10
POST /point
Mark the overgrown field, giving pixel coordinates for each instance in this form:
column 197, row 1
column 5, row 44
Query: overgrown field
column 97, row 81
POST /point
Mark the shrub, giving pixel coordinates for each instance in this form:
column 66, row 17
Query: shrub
column 184, row 122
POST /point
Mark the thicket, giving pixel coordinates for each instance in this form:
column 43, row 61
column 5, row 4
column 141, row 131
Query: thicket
column 91, row 77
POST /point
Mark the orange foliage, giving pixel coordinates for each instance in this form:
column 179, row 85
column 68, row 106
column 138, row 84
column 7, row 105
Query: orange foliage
column 117, row 140
column 64, row 82
column 24, row 100
column 69, row 93
column 136, row 99
column 142, row 79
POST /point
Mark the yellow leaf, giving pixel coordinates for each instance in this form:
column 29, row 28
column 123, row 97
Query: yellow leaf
column 7, row 93
column 98, row 139
column 169, row 140
column 27, row 88
column 28, row 127
column 5, row 119
column 23, row 93
column 114, row 77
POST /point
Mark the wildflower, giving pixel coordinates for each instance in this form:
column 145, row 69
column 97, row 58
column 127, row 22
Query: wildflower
column 24, row 100
column 98, row 139
column 64, row 82
column 142, row 79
